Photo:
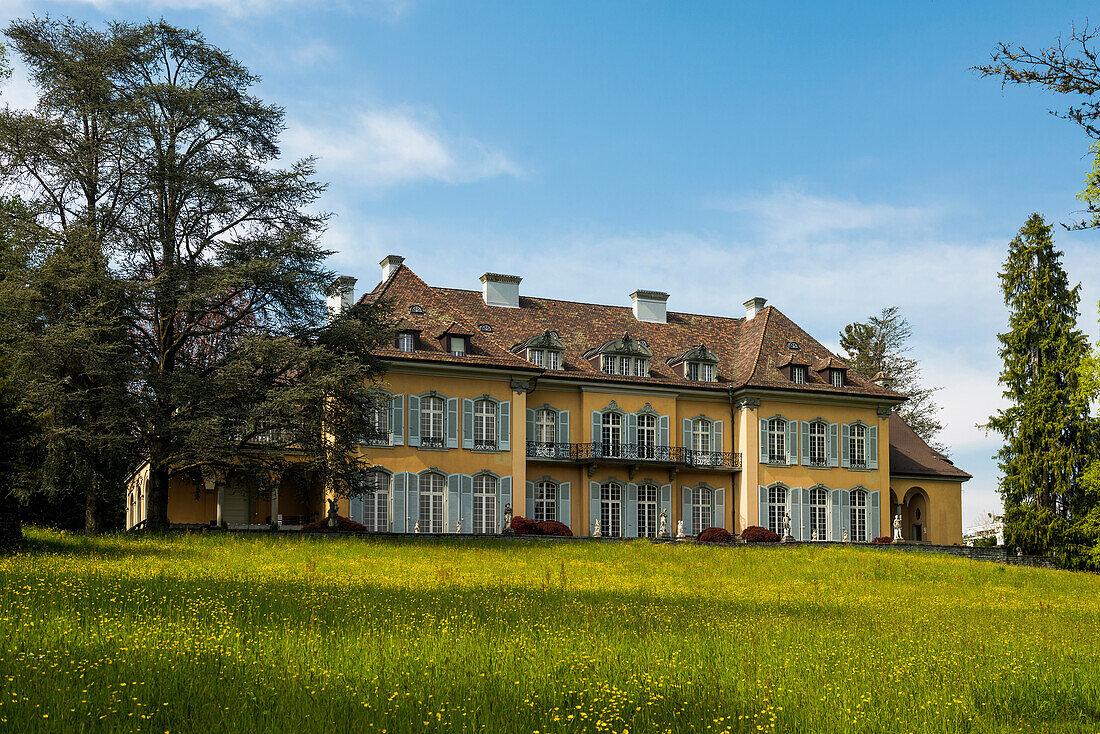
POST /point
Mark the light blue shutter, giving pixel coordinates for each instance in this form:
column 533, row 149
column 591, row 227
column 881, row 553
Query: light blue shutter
column 467, row 423
column 412, row 503
column 872, row 447
column 794, row 506
column 764, row 441
column 564, row 512
column 833, row 444
column 467, row 482
column 685, row 509
column 630, row 511
column 355, row 509
column 836, row 510
column 400, row 487
column 504, row 490
column 597, row 425
column 663, row 438
column 454, row 504
column 504, row 426
column 716, row 438
column 414, row 420
column 687, row 435
column 530, row 425
column 594, row 506
column 397, row 419
column 452, row 423
column 632, row 428
column 762, row 520
column 718, row 511
column 792, row 443
column 845, row 432
column 806, row 531
column 846, row 510
column 666, row 506
column 805, row 443
column 530, row 501
column 875, row 520
column 563, row 426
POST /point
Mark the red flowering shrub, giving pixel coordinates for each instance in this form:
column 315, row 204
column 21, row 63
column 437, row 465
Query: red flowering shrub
column 715, row 535
column 522, row 526
column 553, row 527
column 883, row 539
column 757, row 534
column 342, row 523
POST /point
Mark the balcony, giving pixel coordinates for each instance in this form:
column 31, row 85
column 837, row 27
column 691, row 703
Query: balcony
column 630, row 453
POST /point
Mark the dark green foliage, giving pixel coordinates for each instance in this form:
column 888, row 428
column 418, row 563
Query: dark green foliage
column 18, row 436
column 880, row 344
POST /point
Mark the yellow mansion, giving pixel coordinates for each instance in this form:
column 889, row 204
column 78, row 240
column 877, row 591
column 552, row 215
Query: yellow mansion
column 579, row 412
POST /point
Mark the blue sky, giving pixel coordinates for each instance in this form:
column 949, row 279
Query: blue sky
column 834, row 159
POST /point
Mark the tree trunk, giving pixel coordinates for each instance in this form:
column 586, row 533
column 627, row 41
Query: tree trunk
column 158, row 494
column 91, row 511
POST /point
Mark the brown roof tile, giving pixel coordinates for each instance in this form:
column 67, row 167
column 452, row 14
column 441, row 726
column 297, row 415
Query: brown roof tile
column 909, row 454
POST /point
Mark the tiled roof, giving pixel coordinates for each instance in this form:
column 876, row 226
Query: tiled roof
column 749, row 351
column 910, row 455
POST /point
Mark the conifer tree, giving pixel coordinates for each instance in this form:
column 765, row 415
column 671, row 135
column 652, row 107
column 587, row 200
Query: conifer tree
column 1046, row 427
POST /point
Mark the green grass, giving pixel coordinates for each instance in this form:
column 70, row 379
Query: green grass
column 289, row 634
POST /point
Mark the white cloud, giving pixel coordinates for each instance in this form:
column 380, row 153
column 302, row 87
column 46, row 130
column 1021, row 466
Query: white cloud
column 388, row 147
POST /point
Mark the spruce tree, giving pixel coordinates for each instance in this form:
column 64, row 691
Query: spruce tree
column 1046, row 427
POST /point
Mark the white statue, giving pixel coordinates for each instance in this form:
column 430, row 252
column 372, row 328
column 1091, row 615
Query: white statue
column 459, row 528
column 897, row 527
column 662, row 532
column 596, row 529
column 679, row 530
column 787, row 524
column 845, row 535
column 507, row 517
column 813, row 535
column 416, row 527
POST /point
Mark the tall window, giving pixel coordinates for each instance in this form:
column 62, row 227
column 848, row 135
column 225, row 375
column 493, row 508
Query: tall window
column 485, row 424
column 836, row 378
column 376, row 506
column 609, row 365
column 535, row 356
column 857, row 446
column 777, row 507
column 546, row 425
column 641, row 368
column 379, row 418
column 546, row 501
column 858, row 517
column 553, row 360
column 406, row 341
column 624, row 365
column 817, row 445
column 647, row 436
column 647, row 511
column 701, row 501
column 431, row 422
column 777, row 441
column 485, row 504
column 611, row 503
column 700, row 441
column 798, row 374
column 819, row 499
column 612, row 431
column 431, row 503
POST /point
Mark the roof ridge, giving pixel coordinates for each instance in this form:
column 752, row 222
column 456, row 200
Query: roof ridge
column 760, row 344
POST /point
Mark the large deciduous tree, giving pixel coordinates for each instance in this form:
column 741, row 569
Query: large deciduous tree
column 880, row 344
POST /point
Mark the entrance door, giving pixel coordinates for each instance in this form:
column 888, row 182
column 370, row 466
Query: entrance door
column 918, row 531
column 235, row 510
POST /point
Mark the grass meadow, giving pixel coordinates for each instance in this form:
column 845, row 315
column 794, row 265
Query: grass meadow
column 224, row 633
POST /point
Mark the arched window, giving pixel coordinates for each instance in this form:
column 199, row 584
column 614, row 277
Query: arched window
column 857, row 446
column 647, row 511
column 431, row 422
column 702, row 500
column 816, row 450
column 647, row 436
column 819, row 506
column 376, row 505
column 485, row 425
column 777, row 441
column 777, row 508
column 546, row 501
column 858, row 517
column 612, row 430
column 611, row 509
column 431, row 503
column 485, row 503
column 546, row 425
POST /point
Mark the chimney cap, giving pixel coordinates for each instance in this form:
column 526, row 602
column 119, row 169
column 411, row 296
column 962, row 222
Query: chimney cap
column 391, row 260
column 883, row 380
column 500, row 278
column 754, row 306
column 650, row 295
column 344, row 280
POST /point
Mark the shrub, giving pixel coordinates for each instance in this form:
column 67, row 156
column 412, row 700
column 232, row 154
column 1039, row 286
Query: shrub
column 553, row 527
column 884, row 540
column 522, row 526
column 342, row 523
column 715, row 535
column 757, row 534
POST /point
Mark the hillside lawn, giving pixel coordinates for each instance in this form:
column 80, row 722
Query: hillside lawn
column 242, row 633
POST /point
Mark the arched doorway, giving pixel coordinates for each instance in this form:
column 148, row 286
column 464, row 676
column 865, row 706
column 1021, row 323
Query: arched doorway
column 914, row 515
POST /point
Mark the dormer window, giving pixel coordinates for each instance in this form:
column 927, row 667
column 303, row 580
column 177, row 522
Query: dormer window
column 697, row 364
column 625, row 357
column 406, row 341
column 836, row 377
column 700, row 371
column 553, row 360
column 609, row 365
column 641, row 368
column 458, row 346
column 536, row 357
column 544, row 350
column 798, row 374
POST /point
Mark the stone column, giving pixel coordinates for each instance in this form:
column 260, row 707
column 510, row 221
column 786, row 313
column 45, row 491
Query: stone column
column 221, row 503
column 275, row 506
column 519, row 446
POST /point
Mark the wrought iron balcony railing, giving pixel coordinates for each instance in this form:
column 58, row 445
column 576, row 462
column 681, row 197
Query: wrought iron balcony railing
column 630, row 452
column 432, row 443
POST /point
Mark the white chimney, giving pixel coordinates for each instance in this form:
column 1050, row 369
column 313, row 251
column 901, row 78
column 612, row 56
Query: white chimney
column 343, row 295
column 389, row 264
column 754, row 306
column 649, row 306
column 500, row 290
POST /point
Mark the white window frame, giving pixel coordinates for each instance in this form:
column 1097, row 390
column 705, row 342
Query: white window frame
column 798, row 374
column 819, row 513
column 546, row 501
column 376, row 506
column 431, row 419
column 535, row 357
column 624, row 366
column 485, row 504
column 406, row 342
column 430, row 512
column 609, row 364
column 777, row 441
column 546, row 425
column 553, row 359
column 857, row 516
column 857, row 446
column 611, row 425
column 485, row 425
column 702, row 512
column 641, row 368
column 611, row 510
column 777, row 507
column 379, row 418
column 460, row 343
column 819, row 436
column 836, row 377
column 647, row 436
column 648, row 501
